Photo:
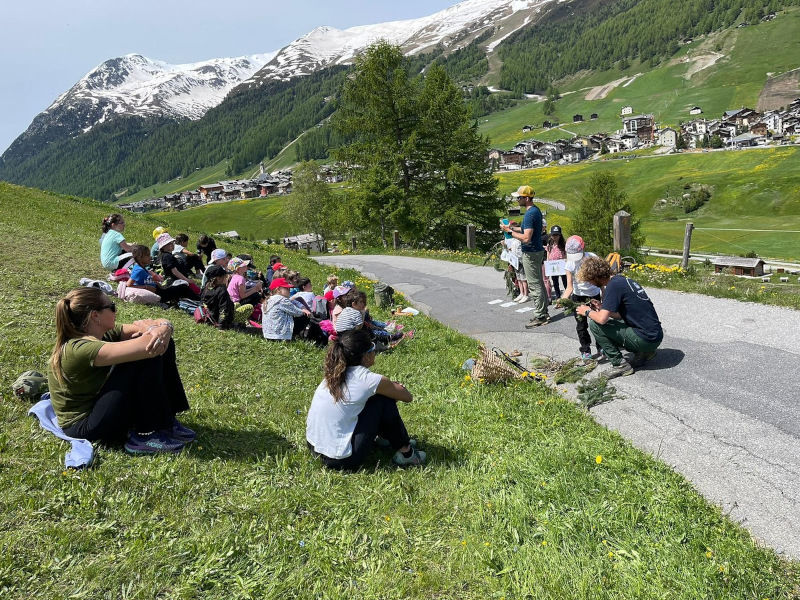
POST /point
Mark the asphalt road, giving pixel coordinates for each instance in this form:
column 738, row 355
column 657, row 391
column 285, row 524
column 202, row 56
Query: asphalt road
column 720, row 403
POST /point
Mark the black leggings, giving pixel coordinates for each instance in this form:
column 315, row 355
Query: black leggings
column 143, row 395
column 379, row 416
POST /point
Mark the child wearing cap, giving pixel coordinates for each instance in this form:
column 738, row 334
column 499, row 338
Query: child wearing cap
column 218, row 257
column 238, row 287
column 216, row 296
column 281, row 316
column 579, row 291
column 171, row 266
column 556, row 250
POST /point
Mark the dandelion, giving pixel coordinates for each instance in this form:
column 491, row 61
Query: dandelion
column 463, row 542
column 709, row 554
column 388, row 518
column 598, row 459
column 610, row 555
column 544, row 542
column 487, row 544
column 467, row 377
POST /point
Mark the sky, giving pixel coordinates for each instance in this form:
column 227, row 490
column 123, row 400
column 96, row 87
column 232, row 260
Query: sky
column 48, row 45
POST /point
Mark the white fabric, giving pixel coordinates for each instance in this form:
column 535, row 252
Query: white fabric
column 308, row 297
column 330, row 425
column 581, row 288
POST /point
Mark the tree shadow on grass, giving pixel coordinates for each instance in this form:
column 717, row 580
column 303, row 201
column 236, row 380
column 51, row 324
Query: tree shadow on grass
column 239, row 445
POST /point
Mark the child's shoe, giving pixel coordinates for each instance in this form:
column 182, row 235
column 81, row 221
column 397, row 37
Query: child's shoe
column 416, row 458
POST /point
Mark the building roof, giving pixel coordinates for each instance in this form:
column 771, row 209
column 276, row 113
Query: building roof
column 736, row 261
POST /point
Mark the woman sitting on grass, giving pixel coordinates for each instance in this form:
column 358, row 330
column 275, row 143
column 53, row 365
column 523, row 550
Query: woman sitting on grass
column 108, row 380
column 352, row 406
column 113, row 244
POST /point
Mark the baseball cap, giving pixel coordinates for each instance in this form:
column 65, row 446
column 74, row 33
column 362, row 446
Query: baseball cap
column 30, row 385
column 218, row 254
column 279, row 282
column 524, row 190
column 158, row 231
column 277, row 266
column 214, row 271
column 574, row 247
column 340, row 290
column 555, row 229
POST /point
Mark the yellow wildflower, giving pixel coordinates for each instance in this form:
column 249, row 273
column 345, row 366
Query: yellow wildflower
column 598, row 459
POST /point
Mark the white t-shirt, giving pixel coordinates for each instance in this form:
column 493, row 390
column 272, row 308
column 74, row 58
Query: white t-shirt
column 330, row 425
column 581, row 288
column 308, row 297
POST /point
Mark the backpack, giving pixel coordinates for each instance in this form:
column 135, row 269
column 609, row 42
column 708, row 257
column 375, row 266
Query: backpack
column 189, row 306
column 203, row 315
column 384, row 295
column 320, row 308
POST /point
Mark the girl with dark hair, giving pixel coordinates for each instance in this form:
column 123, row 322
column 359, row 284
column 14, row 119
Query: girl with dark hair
column 352, row 406
column 107, row 380
column 113, row 244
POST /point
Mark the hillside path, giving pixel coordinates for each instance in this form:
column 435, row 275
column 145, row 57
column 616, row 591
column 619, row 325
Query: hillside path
column 720, row 403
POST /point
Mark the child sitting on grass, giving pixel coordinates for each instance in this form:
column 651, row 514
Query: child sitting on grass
column 280, row 315
column 330, row 283
column 144, row 278
column 216, row 297
column 377, row 329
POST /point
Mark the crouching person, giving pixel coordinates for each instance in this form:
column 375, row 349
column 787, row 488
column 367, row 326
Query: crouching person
column 354, row 408
column 626, row 319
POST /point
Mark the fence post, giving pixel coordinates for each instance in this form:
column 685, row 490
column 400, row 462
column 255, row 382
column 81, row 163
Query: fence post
column 396, row 239
column 353, row 243
column 622, row 230
column 687, row 242
column 471, row 245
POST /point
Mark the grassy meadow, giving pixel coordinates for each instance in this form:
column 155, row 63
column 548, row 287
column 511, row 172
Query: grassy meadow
column 524, row 495
column 668, row 90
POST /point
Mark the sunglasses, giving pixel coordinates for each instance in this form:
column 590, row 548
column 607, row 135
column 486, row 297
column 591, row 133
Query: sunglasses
column 112, row 306
column 372, row 349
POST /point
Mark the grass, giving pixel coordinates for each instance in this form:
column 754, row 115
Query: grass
column 253, row 219
column 667, row 90
column 525, row 496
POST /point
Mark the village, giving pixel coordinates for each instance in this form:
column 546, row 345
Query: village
column 735, row 129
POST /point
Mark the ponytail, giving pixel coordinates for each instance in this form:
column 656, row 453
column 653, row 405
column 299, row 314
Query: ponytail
column 110, row 220
column 346, row 350
column 72, row 317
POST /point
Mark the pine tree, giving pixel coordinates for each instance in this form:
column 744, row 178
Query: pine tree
column 594, row 215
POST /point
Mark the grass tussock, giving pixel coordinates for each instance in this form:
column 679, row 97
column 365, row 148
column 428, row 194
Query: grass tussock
column 524, row 495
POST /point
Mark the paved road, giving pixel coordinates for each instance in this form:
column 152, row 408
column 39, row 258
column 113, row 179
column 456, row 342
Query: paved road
column 720, row 402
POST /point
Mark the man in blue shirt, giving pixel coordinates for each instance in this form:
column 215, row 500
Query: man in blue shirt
column 530, row 234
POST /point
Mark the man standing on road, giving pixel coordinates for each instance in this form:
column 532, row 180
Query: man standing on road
column 530, row 234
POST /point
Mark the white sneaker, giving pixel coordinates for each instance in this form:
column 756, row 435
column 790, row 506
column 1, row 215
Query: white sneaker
column 522, row 299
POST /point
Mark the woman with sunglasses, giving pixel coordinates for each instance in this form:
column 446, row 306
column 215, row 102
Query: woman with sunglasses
column 109, row 380
column 353, row 408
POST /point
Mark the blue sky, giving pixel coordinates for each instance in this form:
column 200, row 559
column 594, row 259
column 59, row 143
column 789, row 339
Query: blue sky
column 47, row 46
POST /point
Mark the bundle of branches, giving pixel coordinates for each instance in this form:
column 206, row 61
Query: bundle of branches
column 569, row 306
column 568, row 371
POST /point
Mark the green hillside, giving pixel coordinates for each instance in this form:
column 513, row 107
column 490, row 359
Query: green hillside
column 524, row 494
column 743, row 58
column 751, row 190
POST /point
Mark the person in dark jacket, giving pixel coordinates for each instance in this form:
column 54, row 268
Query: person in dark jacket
column 216, row 296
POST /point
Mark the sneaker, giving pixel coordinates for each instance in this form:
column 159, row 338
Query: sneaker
column 587, row 356
column 417, row 458
column 620, row 370
column 151, row 443
column 180, row 432
column 521, row 299
column 642, row 357
column 382, row 442
column 537, row 322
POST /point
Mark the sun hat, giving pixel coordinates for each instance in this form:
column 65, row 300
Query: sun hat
column 279, row 282
column 214, row 271
column 348, row 319
column 164, row 239
column 555, row 229
column 340, row 290
column 237, row 263
column 158, row 231
column 29, row 385
column 574, row 248
column 524, row 190
column 277, row 267
column 247, row 257
column 218, row 254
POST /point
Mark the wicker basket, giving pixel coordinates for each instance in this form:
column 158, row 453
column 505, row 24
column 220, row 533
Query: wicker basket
column 491, row 368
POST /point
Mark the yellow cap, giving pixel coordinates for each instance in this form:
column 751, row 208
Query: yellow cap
column 158, row 231
column 524, row 190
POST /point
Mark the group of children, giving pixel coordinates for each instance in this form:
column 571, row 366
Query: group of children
column 233, row 294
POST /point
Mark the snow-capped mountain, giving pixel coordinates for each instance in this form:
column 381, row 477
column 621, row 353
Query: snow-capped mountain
column 134, row 85
column 326, row 46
